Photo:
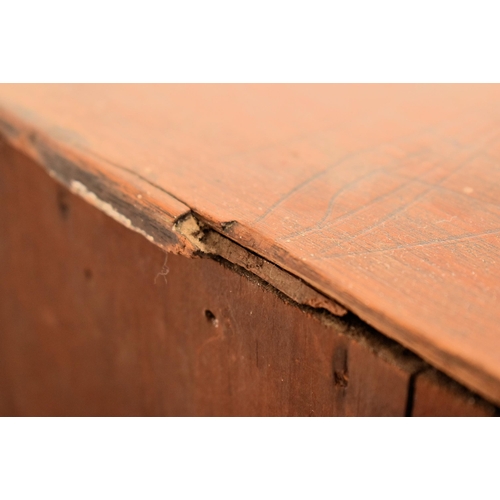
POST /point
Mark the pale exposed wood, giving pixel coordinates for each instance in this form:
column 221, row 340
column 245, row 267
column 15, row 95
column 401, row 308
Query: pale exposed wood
column 212, row 243
column 384, row 198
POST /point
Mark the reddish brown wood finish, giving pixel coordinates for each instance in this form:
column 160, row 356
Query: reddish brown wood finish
column 384, row 198
column 437, row 396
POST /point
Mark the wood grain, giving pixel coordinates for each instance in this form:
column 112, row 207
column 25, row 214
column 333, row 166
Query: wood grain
column 384, row 198
column 91, row 323
column 435, row 395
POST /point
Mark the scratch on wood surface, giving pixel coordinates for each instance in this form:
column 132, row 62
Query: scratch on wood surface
column 443, row 241
column 347, row 157
column 406, row 182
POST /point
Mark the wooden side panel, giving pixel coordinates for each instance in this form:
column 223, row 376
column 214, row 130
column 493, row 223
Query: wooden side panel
column 438, row 396
column 88, row 326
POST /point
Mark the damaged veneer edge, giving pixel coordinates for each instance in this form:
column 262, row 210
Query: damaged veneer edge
column 210, row 242
column 172, row 225
column 198, row 237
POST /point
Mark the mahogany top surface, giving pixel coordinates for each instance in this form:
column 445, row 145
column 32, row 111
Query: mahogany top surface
column 384, row 197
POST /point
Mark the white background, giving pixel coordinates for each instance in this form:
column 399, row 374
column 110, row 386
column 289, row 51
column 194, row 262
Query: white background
column 258, row 41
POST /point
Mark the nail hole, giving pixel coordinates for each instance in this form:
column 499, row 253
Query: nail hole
column 88, row 273
column 63, row 204
column 211, row 317
column 340, row 379
column 340, row 366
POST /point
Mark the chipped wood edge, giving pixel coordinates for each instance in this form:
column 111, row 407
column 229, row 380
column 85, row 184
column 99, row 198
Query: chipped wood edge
column 208, row 241
column 123, row 200
column 131, row 201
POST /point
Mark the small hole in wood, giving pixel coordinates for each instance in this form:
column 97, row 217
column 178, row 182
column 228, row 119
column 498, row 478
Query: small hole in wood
column 88, row 273
column 62, row 201
column 211, row 317
column 340, row 379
